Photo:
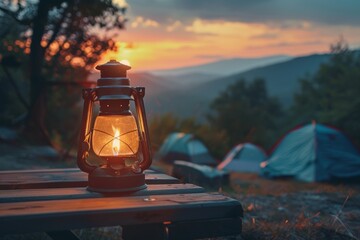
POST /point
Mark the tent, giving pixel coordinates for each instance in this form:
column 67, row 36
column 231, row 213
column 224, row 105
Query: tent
column 314, row 152
column 243, row 158
column 185, row 147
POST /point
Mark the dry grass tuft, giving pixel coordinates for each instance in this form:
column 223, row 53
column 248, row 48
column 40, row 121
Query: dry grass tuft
column 285, row 209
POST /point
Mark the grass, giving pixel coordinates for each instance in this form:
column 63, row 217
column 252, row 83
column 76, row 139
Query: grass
column 286, row 209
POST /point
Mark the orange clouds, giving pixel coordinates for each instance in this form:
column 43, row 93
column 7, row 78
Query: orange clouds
column 141, row 22
column 175, row 43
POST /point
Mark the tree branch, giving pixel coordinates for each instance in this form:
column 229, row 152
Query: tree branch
column 57, row 27
column 14, row 16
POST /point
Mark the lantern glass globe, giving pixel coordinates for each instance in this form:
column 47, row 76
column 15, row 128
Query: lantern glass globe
column 115, row 136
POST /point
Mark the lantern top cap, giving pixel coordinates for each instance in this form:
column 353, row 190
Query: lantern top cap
column 113, row 68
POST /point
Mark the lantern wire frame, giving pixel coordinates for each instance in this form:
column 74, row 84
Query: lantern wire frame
column 114, row 138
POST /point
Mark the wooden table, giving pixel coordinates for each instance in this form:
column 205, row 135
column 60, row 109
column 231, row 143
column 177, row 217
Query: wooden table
column 56, row 201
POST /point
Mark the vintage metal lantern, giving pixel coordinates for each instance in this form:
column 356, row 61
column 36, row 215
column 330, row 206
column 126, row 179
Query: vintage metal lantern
column 118, row 137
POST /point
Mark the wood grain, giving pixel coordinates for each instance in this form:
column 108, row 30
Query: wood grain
column 82, row 213
column 56, row 200
column 23, row 195
column 63, row 178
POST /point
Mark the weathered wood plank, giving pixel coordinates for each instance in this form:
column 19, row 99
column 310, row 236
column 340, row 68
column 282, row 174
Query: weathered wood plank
column 62, row 235
column 51, row 170
column 96, row 212
column 185, row 230
column 23, row 195
column 204, row 228
column 148, row 231
column 63, row 178
column 45, row 170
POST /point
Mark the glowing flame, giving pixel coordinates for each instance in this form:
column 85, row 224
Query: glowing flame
column 116, row 142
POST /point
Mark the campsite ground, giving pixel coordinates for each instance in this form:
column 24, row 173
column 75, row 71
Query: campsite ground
column 285, row 209
column 289, row 209
column 281, row 209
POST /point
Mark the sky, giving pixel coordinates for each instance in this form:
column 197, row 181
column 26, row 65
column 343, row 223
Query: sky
column 165, row 34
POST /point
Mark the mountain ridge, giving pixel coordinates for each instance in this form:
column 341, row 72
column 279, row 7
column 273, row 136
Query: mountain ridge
column 190, row 94
column 224, row 66
column 281, row 79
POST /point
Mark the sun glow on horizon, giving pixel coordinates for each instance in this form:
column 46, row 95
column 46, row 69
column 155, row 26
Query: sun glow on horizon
column 202, row 41
column 125, row 62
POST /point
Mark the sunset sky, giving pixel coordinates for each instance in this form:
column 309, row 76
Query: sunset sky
column 162, row 34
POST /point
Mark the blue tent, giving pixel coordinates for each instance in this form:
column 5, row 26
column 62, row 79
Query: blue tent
column 243, row 158
column 314, row 152
column 186, row 147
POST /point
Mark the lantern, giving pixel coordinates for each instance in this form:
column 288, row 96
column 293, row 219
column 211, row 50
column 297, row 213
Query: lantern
column 118, row 137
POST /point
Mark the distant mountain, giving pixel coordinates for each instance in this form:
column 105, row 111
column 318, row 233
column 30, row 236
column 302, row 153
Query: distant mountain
column 153, row 84
column 282, row 80
column 189, row 79
column 189, row 94
column 158, row 89
column 224, row 67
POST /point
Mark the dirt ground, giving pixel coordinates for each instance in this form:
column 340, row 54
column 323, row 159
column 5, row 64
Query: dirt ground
column 285, row 209
column 273, row 209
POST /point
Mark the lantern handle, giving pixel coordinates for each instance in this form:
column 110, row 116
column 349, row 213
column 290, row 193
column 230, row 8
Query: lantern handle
column 89, row 96
column 138, row 94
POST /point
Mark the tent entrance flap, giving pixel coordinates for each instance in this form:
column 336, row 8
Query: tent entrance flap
column 245, row 157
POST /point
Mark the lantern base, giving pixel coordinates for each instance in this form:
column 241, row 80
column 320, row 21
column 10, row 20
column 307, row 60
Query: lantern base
column 106, row 180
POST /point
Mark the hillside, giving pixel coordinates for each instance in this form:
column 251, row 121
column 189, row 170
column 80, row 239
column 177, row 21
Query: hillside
column 224, row 67
column 281, row 80
column 189, row 94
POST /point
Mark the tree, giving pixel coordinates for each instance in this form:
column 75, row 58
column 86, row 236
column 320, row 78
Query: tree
column 62, row 40
column 160, row 127
column 331, row 95
column 246, row 113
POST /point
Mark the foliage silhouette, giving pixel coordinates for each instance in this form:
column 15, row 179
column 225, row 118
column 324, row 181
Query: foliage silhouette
column 57, row 43
column 246, row 113
column 331, row 96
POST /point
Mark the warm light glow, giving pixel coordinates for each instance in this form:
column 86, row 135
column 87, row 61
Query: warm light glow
column 115, row 135
column 116, row 142
column 151, row 45
column 125, row 62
